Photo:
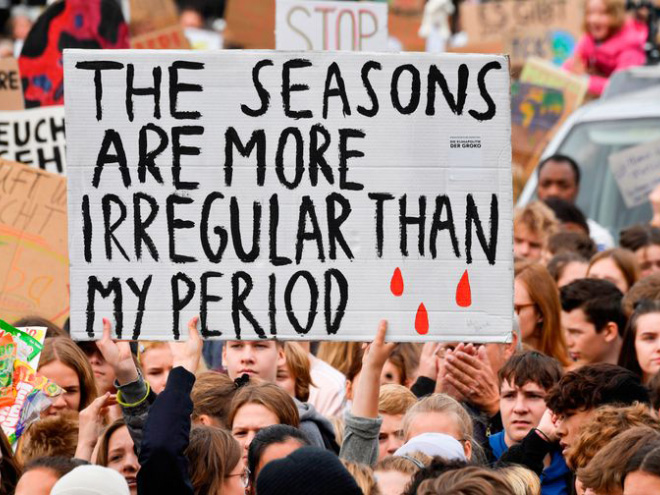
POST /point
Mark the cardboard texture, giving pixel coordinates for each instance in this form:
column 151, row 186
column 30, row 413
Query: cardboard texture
column 169, row 38
column 152, row 15
column 34, row 263
column 250, row 24
column 318, row 25
column 11, row 92
column 404, row 20
column 547, row 29
column 637, row 172
column 543, row 73
column 34, row 137
column 282, row 197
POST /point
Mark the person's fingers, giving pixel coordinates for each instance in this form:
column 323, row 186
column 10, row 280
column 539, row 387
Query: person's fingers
column 192, row 328
column 379, row 339
column 463, row 365
column 483, row 355
column 107, row 330
column 469, row 360
column 459, row 386
column 460, row 375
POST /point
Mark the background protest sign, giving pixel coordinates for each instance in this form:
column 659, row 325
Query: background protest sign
column 147, row 16
column 543, row 73
column 250, row 24
column 637, row 172
column 318, row 25
column 34, row 264
column 169, row 38
column 289, row 194
column 11, row 91
column 34, row 137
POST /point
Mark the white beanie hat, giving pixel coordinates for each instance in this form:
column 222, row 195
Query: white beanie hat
column 91, row 480
column 433, row 444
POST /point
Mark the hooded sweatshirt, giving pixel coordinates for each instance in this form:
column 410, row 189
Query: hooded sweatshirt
column 318, row 429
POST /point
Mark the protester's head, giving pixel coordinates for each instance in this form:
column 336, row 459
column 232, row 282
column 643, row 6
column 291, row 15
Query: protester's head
column 215, row 465
column 104, row 373
column 307, row 470
column 603, row 18
column 294, row 375
column 640, row 351
column 341, row 355
column 63, row 362
column 593, row 320
column 363, row 476
column 258, row 358
column 116, row 451
column 567, row 267
column 521, row 480
column 525, row 380
column 432, row 445
column 558, row 177
column 617, row 265
column 570, row 217
column 91, row 480
column 644, row 241
column 533, row 225
column 606, row 423
column 470, row 480
column 256, row 406
column 642, row 474
column 10, row 469
column 52, row 330
column 393, row 403
column 401, row 366
column 572, row 242
column 440, row 413
column 393, row 473
column 606, row 470
column 431, row 471
column 50, row 436
column 536, row 302
column 647, row 288
column 211, row 396
column 271, row 443
column 41, row 473
column 578, row 393
column 156, row 361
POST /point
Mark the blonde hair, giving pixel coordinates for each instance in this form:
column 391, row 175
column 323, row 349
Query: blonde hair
column 145, row 346
column 538, row 218
column 299, row 366
column 521, row 480
column 64, row 350
column 440, row 403
column 606, row 423
column 395, row 399
column 341, row 355
column 363, row 476
column 402, row 464
column 338, row 425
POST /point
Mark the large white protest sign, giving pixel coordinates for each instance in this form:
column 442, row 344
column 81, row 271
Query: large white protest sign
column 34, row 137
column 637, row 172
column 318, row 25
column 289, row 195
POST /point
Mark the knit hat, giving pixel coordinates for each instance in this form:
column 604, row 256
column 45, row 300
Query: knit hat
column 434, row 444
column 309, row 470
column 91, row 480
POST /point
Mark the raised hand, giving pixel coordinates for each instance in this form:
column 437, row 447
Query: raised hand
column 90, row 425
column 188, row 353
column 118, row 355
column 429, row 361
column 377, row 353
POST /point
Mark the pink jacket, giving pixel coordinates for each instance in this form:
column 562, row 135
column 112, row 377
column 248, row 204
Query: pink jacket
column 620, row 51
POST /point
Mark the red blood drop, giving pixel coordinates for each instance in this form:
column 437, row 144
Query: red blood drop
column 464, row 292
column 396, row 285
column 422, row 320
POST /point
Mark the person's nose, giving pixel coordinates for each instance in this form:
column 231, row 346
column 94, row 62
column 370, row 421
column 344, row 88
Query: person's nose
column 59, row 403
column 393, row 444
column 131, row 465
column 247, row 356
column 520, row 405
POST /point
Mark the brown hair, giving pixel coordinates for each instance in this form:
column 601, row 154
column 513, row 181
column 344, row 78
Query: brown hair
column 52, row 330
column 521, row 480
column 628, row 354
column 10, row 470
column 543, row 291
column 441, row 403
column 604, row 473
column 405, row 358
column 48, row 437
column 647, row 288
column 363, row 476
column 271, row 397
column 615, row 9
column 341, row 355
column 403, row 464
column 624, row 259
column 572, row 243
column 559, row 262
column 470, row 480
column 538, row 218
column 606, row 423
column 531, row 366
column 395, row 399
column 64, row 350
column 102, row 451
column 212, row 455
column 211, row 395
column 299, row 366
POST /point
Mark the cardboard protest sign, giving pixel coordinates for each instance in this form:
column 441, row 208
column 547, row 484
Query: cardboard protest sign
column 169, row 38
column 404, row 20
column 250, row 24
column 147, row 16
column 637, row 172
column 34, row 137
column 297, row 195
column 11, row 92
column 523, row 28
column 34, row 263
column 323, row 25
column 543, row 73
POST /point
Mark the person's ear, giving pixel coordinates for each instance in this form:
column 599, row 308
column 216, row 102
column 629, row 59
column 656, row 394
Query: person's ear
column 511, row 347
column 281, row 356
column 349, row 390
column 467, row 446
column 610, row 332
column 205, row 420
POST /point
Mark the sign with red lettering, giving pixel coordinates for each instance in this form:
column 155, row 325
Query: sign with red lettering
column 169, row 38
column 356, row 26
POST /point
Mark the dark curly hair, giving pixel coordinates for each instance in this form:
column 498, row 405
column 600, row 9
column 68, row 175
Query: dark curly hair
column 593, row 386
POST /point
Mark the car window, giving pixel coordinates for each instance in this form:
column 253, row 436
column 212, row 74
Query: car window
column 591, row 144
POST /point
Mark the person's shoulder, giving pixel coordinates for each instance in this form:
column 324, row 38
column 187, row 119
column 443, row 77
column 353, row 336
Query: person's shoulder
column 320, row 367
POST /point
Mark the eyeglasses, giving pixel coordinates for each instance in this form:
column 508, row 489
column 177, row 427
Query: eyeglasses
column 245, row 477
column 517, row 308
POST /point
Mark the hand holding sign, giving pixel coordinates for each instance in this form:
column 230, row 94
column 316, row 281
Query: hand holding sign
column 188, row 353
column 118, row 355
